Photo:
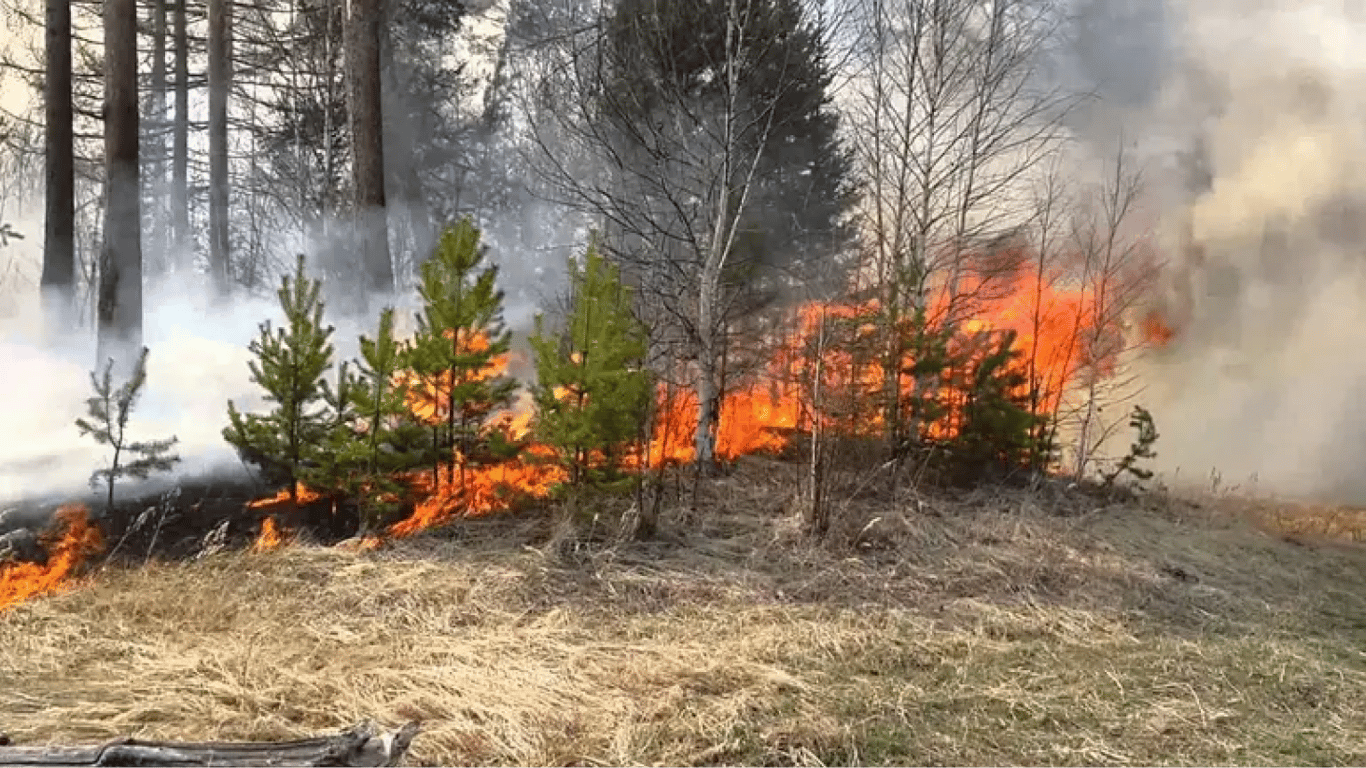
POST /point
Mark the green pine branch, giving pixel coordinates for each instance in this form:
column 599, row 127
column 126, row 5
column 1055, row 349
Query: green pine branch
column 106, row 421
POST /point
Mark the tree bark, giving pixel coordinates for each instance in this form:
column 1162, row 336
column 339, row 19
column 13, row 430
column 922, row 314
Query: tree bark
column 155, row 125
column 180, row 160
column 220, row 73
column 59, row 247
column 362, row 745
column 119, row 308
column 367, row 129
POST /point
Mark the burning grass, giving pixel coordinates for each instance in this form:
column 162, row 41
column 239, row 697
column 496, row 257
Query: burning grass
column 980, row 629
column 72, row 540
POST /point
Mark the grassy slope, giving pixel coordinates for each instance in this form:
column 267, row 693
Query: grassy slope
column 983, row 630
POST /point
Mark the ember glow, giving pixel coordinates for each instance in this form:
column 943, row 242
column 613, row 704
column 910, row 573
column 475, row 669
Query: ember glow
column 72, row 540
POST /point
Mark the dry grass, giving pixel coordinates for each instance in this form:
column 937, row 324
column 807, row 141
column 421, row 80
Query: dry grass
column 978, row 630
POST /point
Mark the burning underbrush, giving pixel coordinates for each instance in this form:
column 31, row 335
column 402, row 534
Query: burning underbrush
column 977, row 627
column 61, row 552
column 435, row 429
column 827, row 367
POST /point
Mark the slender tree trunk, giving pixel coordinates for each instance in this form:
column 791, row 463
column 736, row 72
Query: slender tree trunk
column 59, row 246
column 180, row 161
column 119, row 310
column 367, row 136
column 154, row 124
column 818, row 517
column 220, row 73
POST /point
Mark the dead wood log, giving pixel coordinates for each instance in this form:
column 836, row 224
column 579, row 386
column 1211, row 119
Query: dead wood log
column 362, row 745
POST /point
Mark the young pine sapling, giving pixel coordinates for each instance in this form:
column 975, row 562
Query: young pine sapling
column 592, row 391
column 458, row 345
column 1141, row 420
column 106, row 420
column 290, row 364
column 379, row 440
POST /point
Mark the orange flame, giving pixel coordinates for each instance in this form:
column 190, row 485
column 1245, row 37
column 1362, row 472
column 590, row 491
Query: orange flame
column 1156, row 331
column 427, row 396
column 1054, row 328
column 480, row 490
column 270, row 537
column 71, row 541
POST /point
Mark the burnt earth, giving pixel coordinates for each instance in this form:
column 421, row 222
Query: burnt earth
column 172, row 522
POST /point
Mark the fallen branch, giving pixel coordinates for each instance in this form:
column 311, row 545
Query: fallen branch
column 362, row 745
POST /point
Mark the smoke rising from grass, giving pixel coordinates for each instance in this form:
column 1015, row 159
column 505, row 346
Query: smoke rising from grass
column 1260, row 116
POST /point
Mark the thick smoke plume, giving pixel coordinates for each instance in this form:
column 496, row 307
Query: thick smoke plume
column 198, row 362
column 1252, row 119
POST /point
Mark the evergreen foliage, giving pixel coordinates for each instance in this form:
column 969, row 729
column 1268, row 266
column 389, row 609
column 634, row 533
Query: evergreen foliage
column 106, row 421
column 996, row 431
column 962, row 398
column 290, row 365
column 1141, row 421
column 378, row 440
column 459, row 340
column 669, row 56
column 592, row 391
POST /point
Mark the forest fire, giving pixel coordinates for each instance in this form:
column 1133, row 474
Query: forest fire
column 1156, row 330
column 71, row 541
column 1056, row 332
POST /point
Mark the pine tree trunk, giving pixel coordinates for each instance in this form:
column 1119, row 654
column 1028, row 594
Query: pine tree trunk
column 367, row 129
column 154, row 124
column 180, row 160
column 220, row 72
column 59, row 247
column 119, row 310
column 401, row 131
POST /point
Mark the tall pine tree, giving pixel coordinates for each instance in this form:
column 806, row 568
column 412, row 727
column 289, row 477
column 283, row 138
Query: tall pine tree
column 592, row 390
column 458, row 349
column 290, row 364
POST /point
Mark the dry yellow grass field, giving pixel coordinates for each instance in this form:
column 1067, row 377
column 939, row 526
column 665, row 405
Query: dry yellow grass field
column 985, row 629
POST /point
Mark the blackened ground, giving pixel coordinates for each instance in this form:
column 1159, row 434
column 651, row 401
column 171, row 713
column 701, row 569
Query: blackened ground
column 172, row 521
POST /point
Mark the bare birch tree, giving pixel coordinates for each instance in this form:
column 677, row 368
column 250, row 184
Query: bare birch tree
column 949, row 118
column 1116, row 271
column 666, row 121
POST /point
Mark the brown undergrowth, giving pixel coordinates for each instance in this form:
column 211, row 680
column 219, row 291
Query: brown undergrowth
column 1032, row 627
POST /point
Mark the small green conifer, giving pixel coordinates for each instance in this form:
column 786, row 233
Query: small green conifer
column 459, row 341
column 107, row 421
column 290, row 365
column 592, row 391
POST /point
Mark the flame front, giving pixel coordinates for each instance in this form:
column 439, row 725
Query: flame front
column 1059, row 332
column 70, row 543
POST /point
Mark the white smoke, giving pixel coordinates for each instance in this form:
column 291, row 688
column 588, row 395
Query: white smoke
column 1251, row 117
